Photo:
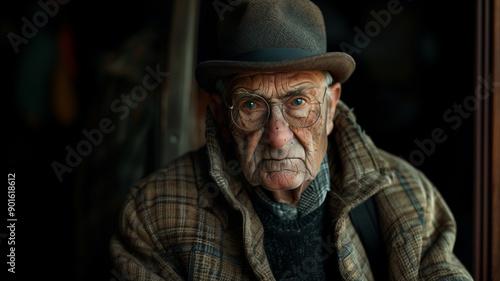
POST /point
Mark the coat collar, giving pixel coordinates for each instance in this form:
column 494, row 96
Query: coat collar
column 358, row 169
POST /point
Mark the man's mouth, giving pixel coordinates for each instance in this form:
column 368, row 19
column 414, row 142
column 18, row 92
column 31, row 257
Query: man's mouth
column 273, row 165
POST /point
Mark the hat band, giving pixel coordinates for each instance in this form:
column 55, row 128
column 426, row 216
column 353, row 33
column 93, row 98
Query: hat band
column 274, row 54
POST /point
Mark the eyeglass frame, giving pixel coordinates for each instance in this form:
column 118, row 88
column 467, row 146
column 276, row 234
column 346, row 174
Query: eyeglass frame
column 282, row 113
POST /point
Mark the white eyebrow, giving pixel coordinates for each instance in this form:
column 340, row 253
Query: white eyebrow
column 245, row 91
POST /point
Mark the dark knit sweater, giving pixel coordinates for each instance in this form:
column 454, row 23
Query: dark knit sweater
column 294, row 247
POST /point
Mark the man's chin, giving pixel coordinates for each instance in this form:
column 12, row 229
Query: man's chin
column 286, row 190
column 280, row 181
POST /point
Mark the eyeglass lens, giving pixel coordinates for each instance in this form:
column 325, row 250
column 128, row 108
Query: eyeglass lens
column 251, row 112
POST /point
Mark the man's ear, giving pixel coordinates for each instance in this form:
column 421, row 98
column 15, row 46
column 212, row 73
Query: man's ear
column 217, row 108
column 333, row 100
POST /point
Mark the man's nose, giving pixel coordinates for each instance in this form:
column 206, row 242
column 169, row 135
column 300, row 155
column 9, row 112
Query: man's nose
column 277, row 130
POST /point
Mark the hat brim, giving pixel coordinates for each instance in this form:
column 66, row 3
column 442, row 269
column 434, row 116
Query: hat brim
column 340, row 65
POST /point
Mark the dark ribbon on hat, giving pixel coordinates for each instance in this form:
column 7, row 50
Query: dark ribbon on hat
column 274, row 54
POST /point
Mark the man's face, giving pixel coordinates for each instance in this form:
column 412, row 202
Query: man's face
column 279, row 157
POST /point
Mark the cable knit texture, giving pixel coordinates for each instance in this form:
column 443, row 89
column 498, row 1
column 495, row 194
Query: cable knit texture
column 293, row 246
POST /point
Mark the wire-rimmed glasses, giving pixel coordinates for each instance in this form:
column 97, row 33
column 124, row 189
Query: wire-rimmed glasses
column 301, row 109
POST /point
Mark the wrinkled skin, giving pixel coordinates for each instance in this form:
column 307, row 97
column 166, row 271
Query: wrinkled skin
column 281, row 158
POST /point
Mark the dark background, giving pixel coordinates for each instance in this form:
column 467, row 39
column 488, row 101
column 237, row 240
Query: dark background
column 64, row 79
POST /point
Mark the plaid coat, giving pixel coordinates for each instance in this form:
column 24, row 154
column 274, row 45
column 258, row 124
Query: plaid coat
column 193, row 219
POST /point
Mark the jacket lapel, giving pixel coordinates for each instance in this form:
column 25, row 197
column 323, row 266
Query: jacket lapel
column 224, row 171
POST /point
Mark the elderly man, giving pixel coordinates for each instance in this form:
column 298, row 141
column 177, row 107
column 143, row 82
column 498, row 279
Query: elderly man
column 274, row 194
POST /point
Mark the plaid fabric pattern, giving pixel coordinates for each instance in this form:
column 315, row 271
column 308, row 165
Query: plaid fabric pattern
column 315, row 194
column 310, row 200
column 193, row 220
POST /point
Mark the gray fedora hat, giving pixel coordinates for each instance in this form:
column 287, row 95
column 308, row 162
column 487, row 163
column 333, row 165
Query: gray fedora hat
column 272, row 36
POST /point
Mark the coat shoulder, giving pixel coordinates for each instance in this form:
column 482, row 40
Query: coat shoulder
column 173, row 198
column 184, row 177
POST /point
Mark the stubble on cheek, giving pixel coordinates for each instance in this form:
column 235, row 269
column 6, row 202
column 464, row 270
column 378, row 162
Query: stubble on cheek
column 245, row 151
column 310, row 154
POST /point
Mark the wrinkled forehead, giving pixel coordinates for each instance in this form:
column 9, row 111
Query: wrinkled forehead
column 273, row 82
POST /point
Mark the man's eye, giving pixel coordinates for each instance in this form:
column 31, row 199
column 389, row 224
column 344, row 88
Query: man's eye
column 250, row 105
column 298, row 102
